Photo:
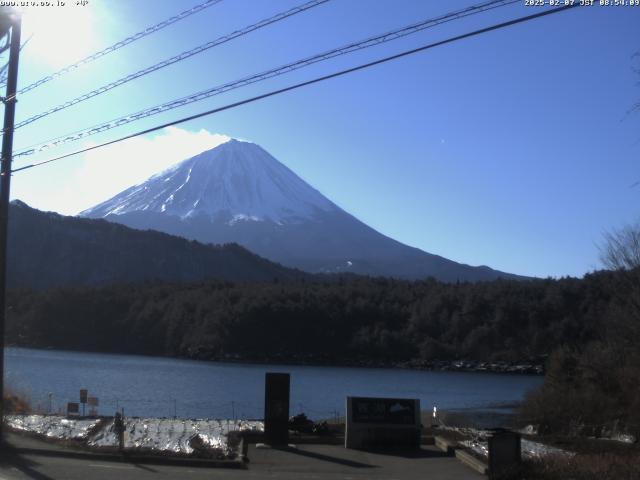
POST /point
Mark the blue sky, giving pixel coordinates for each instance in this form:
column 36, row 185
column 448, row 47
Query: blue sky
column 512, row 149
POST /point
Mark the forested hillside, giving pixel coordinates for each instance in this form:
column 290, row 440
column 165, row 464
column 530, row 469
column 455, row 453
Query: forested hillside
column 49, row 250
column 345, row 321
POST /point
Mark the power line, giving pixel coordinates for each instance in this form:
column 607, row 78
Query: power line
column 177, row 58
column 137, row 36
column 309, row 82
column 219, row 89
column 266, row 75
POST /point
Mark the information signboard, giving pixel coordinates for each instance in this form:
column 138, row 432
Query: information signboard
column 383, row 410
column 83, row 395
column 382, row 423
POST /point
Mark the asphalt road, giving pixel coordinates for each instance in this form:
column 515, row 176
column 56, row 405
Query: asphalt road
column 321, row 462
column 310, row 462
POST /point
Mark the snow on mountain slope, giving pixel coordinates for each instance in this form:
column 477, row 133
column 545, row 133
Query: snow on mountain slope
column 237, row 192
column 237, row 180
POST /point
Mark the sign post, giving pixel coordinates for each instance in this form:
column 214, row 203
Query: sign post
column 93, row 403
column 83, row 398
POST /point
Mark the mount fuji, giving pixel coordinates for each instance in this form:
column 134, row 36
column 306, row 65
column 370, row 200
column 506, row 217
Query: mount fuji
column 237, row 192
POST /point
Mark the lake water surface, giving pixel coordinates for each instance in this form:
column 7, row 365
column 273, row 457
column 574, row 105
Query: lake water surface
column 164, row 387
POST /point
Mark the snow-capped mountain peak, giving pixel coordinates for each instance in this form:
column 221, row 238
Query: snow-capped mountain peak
column 237, row 180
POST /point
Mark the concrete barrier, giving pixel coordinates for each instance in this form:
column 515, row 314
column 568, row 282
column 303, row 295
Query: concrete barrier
column 446, row 445
column 470, row 461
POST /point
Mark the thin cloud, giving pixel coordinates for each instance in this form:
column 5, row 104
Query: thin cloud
column 107, row 171
column 102, row 173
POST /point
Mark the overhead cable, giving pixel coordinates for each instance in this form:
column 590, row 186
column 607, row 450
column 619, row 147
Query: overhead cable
column 219, row 89
column 306, row 83
column 175, row 59
column 126, row 41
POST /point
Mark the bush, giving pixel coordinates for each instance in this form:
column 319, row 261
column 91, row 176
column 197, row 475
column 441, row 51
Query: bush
column 593, row 466
column 15, row 403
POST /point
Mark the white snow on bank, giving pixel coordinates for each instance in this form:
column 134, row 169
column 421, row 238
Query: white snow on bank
column 53, row 426
column 479, row 448
column 178, row 436
column 537, row 449
column 174, row 435
column 479, row 444
column 528, row 448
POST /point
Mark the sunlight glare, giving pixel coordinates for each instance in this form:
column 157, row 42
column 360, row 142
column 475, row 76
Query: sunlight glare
column 61, row 34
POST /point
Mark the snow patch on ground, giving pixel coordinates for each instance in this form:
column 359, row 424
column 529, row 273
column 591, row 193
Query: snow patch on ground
column 477, row 441
column 529, row 449
column 176, row 436
column 52, row 426
column 537, row 449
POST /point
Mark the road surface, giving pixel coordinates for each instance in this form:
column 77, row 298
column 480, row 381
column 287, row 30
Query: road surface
column 307, row 462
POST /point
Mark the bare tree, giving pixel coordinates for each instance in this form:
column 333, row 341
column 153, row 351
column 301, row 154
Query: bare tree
column 621, row 248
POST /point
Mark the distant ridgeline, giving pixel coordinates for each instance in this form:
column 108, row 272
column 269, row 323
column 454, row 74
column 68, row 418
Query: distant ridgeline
column 49, row 250
column 354, row 320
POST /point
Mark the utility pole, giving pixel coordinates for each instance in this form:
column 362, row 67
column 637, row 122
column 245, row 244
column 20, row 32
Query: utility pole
column 5, row 185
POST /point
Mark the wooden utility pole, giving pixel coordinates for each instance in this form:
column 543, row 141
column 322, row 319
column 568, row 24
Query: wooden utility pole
column 5, row 186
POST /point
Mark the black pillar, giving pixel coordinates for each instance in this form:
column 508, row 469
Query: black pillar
column 5, row 183
column 276, row 409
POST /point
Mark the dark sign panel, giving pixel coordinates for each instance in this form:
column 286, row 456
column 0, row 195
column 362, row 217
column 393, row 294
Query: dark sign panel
column 276, row 408
column 73, row 408
column 388, row 423
column 383, row 411
column 83, row 396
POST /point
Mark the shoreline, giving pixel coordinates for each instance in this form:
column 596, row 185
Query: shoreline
column 462, row 366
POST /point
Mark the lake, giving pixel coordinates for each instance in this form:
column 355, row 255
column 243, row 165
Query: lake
column 166, row 387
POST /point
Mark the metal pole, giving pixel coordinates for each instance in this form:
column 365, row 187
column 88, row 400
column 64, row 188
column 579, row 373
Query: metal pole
column 5, row 185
